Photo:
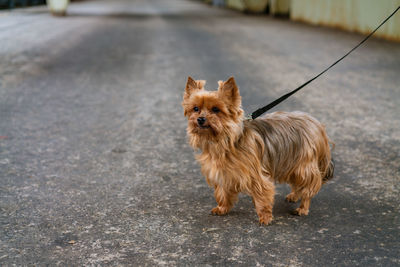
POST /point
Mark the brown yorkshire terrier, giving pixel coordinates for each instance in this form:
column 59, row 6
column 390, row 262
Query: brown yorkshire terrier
column 239, row 155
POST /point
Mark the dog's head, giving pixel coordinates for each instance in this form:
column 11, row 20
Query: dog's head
column 212, row 114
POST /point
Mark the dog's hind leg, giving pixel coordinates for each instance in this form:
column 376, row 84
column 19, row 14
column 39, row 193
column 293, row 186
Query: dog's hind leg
column 304, row 206
column 293, row 196
column 307, row 185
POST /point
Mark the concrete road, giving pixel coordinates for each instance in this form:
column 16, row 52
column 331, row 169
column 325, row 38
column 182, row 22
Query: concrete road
column 94, row 164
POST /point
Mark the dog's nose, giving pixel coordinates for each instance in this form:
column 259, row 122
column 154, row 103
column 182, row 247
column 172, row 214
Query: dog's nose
column 201, row 120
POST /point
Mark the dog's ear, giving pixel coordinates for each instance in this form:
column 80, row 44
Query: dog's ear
column 192, row 86
column 228, row 90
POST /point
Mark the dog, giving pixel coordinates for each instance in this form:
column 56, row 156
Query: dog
column 241, row 155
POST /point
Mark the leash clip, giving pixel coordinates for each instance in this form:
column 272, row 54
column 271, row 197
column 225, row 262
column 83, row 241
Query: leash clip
column 248, row 117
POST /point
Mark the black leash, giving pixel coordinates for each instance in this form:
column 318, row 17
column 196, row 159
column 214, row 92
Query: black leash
column 260, row 111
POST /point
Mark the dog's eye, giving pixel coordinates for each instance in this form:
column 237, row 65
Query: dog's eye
column 215, row 109
column 196, row 109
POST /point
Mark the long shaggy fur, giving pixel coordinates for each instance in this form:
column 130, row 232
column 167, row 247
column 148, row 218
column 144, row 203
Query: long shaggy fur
column 238, row 155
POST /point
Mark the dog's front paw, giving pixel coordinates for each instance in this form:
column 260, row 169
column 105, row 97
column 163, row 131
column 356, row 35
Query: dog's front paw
column 265, row 218
column 219, row 210
column 301, row 211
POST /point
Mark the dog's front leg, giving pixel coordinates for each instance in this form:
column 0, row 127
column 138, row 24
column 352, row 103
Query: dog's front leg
column 225, row 199
column 263, row 192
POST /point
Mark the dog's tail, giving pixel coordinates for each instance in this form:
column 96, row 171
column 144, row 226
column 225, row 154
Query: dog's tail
column 329, row 172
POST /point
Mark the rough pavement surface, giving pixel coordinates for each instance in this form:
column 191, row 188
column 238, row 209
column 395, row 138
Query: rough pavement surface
column 94, row 163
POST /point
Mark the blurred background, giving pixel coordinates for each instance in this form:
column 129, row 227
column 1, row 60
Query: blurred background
column 352, row 15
